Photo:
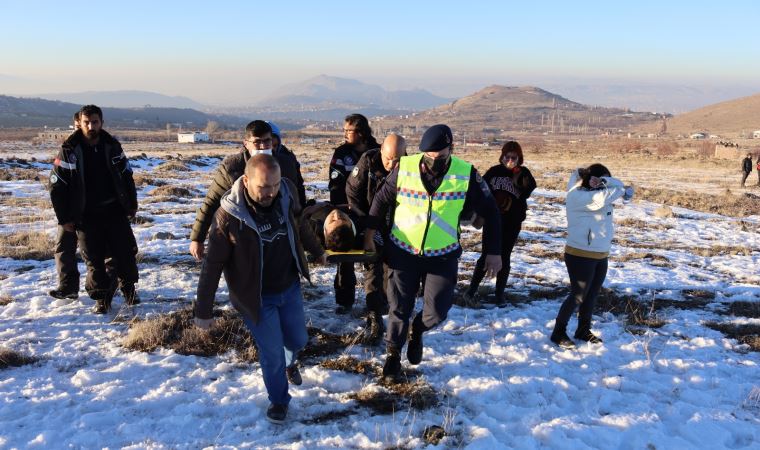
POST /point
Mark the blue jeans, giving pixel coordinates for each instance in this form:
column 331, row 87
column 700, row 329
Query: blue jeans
column 279, row 335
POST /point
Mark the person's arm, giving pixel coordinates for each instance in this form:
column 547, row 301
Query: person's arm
column 385, row 198
column 220, row 184
column 525, row 182
column 480, row 199
column 356, row 187
column 337, row 182
column 61, row 178
column 219, row 251
column 579, row 199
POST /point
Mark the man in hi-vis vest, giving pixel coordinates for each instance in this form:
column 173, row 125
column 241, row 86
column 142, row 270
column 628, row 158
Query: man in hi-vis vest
column 430, row 191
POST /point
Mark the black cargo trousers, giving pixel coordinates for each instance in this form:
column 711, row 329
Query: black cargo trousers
column 375, row 282
column 102, row 232
column 66, row 262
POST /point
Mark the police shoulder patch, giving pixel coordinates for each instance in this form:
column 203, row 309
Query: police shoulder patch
column 355, row 172
column 334, row 174
column 73, row 158
column 53, row 179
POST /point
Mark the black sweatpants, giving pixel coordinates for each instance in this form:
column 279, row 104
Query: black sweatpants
column 744, row 177
column 509, row 232
column 374, row 285
column 586, row 278
column 406, row 272
column 98, row 234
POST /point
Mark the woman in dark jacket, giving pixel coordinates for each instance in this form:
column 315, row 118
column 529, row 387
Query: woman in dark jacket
column 511, row 185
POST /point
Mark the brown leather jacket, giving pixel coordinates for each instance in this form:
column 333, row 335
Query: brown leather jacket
column 234, row 248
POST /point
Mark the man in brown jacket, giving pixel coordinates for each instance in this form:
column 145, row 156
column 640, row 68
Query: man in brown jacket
column 256, row 240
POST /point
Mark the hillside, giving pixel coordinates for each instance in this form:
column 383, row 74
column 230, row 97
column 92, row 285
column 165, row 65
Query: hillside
column 497, row 109
column 725, row 118
column 36, row 112
column 125, row 99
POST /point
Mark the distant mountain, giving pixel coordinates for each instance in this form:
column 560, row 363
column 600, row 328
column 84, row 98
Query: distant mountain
column 731, row 117
column 498, row 109
column 124, row 99
column 326, row 92
column 36, row 112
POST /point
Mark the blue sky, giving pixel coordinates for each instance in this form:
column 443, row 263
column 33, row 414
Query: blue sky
column 236, row 52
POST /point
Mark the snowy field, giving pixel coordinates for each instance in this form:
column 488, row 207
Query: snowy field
column 490, row 378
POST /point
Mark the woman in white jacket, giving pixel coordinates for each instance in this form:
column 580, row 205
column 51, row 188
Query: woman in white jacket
column 590, row 193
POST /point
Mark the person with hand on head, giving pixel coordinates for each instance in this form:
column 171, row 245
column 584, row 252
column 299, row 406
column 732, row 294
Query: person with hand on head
column 432, row 191
column 259, row 138
column 511, row 184
column 94, row 194
column 367, row 177
column 257, row 241
column 590, row 229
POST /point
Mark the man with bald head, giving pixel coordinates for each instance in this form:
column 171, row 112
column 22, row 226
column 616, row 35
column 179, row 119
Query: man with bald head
column 257, row 242
column 365, row 180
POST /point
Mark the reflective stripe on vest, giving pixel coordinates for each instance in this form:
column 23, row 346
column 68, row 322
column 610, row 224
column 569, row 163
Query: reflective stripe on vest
column 424, row 224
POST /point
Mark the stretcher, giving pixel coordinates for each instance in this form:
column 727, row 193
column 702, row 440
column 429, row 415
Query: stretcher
column 355, row 256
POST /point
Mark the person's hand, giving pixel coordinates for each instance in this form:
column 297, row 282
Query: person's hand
column 369, row 241
column 69, row 227
column 322, row 259
column 493, row 265
column 478, row 222
column 203, row 324
column 197, row 250
column 594, row 182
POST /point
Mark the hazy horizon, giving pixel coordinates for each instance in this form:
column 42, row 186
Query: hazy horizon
column 236, row 53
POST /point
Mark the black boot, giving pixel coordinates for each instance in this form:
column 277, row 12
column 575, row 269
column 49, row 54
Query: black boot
column 501, row 283
column 62, row 293
column 130, row 295
column 392, row 367
column 375, row 327
column 102, row 306
column 414, row 346
column 587, row 336
column 561, row 338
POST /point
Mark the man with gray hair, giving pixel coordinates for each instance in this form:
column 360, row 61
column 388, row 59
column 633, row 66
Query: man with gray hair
column 257, row 241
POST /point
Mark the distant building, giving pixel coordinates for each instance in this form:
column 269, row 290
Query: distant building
column 192, row 138
column 698, row 136
column 56, row 135
column 756, row 134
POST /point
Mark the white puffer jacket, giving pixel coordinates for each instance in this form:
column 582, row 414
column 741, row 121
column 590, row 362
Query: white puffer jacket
column 589, row 214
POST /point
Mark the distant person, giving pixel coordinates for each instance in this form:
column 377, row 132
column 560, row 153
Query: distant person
column 757, row 167
column 511, row 185
column 358, row 139
column 746, row 167
column 367, row 177
column 259, row 138
column 93, row 193
column 257, row 242
column 590, row 229
column 431, row 191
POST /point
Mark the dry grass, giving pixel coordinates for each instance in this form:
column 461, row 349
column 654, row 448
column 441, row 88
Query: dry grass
column 5, row 299
column 386, row 399
column 27, row 245
column 16, row 174
column 12, row 358
column 142, row 179
column 172, row 166
column 171, row 191
column 748, row 334
column 727, row 204
column 638, row 312
column 744, row 309
column 38, row 203
column 176, row 331
column 350, row 364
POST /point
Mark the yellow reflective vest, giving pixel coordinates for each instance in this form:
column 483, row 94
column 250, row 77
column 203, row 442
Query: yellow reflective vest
column 424, row 224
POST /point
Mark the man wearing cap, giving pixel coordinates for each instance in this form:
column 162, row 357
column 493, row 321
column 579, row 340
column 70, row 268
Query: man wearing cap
column 259, row 138
column 432, row 191
column 368, row 176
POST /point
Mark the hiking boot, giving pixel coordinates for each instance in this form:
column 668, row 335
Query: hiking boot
column 414, row 347
column 343, row 310
column 471, row 300
column 392, row 367
column 562, row 339
column 61, row 293
column 294, row 375
column 588, row 336
column 102, row 306
column 375, row 327
column 130, row 295
column 277, row 413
